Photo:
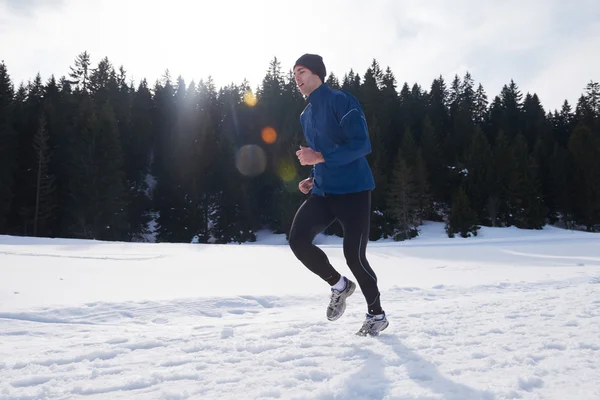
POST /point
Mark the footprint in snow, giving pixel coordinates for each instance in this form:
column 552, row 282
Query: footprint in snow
column 227, row 332
column 117, row 341
column 30, row 381
column 530, row 384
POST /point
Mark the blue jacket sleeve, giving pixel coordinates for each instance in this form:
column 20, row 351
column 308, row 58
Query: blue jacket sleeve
column 355, row 134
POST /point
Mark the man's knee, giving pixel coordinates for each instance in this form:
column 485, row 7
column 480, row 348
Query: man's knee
column 297, row 243
column 358, row 263
column 352, row 256
column 355, row 264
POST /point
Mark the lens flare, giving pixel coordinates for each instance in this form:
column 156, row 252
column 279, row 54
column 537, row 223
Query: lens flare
column 250, row 99
column 251, row 160
column 286, row 171
column 268, row 135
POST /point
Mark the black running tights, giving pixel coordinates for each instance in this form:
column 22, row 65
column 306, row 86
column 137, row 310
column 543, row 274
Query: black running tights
column 353, row 212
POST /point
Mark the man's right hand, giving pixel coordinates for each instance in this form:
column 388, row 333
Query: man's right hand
column 306, row 185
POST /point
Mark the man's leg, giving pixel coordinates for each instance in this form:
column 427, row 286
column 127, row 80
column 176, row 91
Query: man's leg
column 312, row 217
column 354, row 213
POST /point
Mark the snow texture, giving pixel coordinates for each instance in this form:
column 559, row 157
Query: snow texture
column 510, row 314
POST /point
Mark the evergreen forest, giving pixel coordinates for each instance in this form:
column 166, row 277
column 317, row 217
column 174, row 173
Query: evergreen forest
column 92, row 155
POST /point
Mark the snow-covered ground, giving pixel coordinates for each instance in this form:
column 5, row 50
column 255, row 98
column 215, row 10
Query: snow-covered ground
column 509, row 314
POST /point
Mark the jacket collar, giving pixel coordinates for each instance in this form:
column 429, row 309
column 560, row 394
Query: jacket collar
column 318, row 93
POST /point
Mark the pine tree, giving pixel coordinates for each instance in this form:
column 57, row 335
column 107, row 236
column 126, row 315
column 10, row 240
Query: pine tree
column 80, row 72
column 478, row 181
column 230, row 223
column 267, row 186
column 517, row 206
column 351, row 83
column 511, row 103
column 8, row 146
column 402, row 199
column 422, row 189
column 481, row 108
column 468, row 97
column 535, row 208
column 243, row 217
column 370, row 93
column 29, row 106
column 504, row 184
column 463, row 219
column 528, row 210
column 495, row 120
column 207, row 157
column 541, row 154
column 109, row 199
column 592, row 94
column 180, row 212
column 109, row 89
column 588, row 108
column 103, row 82
column 559, row 186
column 8, row 142
column 164, row 121
column 409, row 148
column 535, row 124
column 45, row 200
column 433, row 158
column 137, row 150
column 62, row 109
column 380, row 226
column 584, row 150
column 404, row 113
column 437, row 108
column 76, row 171
column 391, row 120
column 371, row 98
column 96, row 176
column 418, row 110
column 454, row 96
column 563, row 124
column 461, row 114
column 164, row 157
column 333, row 81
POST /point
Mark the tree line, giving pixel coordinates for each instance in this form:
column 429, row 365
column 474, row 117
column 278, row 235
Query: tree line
column 92, row 155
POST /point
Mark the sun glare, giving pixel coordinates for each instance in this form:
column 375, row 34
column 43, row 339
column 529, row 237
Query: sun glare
column 250, row 99
column 251, row 160
column 286, row 171
column 268, row 135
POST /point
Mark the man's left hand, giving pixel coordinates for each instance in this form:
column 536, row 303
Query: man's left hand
column 308, row 156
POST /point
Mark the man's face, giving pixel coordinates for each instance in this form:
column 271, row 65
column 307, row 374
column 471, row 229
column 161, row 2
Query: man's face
column 306, row 80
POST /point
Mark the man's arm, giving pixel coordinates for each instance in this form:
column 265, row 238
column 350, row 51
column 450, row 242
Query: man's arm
column 355, row 133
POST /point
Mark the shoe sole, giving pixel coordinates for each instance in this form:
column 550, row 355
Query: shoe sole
column 343, row 310
column 376, row 333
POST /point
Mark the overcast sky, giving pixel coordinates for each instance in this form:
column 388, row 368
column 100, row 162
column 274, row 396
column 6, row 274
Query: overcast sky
column 550, row 47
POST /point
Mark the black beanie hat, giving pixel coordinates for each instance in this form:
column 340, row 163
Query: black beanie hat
column 313, row 62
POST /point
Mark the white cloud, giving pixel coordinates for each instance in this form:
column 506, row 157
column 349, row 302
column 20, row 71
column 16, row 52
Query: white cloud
column 27, row 7
column 547, row 47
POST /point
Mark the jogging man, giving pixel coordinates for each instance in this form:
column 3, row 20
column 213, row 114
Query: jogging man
column 340, row 185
